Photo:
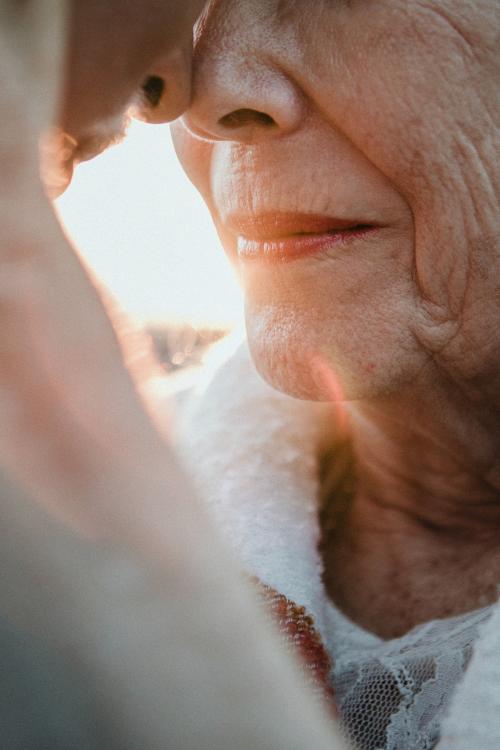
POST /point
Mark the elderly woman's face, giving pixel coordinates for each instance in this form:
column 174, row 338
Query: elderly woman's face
column 345, row 148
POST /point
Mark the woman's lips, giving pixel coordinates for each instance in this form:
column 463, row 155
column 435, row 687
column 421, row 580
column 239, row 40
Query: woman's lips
column 282, row 237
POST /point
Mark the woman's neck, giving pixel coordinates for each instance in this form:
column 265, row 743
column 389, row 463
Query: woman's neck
column 419, row 540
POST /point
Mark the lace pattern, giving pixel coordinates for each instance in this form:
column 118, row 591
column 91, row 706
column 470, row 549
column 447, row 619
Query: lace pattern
column 392, row 695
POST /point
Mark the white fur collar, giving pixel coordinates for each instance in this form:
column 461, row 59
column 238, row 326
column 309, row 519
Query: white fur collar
column 254, row 454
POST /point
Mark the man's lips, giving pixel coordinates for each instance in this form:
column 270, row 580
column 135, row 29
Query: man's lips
column 281, row 237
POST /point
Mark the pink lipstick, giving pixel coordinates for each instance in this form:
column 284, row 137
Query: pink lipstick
column 283, row 237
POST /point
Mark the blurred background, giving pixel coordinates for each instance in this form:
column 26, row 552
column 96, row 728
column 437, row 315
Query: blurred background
column 146, row 234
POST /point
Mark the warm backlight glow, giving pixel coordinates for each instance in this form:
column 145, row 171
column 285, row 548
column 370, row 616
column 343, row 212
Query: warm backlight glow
column 146, row 233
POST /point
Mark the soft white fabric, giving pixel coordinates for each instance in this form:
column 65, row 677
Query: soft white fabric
column 254, row 453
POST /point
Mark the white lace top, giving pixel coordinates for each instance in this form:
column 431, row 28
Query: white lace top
column 393, row 694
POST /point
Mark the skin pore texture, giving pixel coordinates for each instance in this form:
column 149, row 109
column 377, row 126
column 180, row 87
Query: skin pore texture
column 382, row 115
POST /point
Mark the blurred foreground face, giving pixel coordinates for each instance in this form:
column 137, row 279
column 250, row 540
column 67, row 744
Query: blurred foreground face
column 346, row 151
column 121, row 53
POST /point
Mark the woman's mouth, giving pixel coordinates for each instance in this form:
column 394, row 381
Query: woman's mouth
column 284, row 237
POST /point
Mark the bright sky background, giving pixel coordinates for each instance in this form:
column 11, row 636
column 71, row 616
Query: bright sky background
column 143, row 228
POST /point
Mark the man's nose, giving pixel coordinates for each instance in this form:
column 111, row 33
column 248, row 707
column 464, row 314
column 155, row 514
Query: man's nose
column 242, row 98
column 166, row 91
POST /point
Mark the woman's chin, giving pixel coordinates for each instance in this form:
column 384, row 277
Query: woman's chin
column 328, row 361
column 313, row 376
column 300, row 370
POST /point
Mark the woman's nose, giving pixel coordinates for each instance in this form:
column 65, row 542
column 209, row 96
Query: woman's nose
column 166, row 92
column 241, row 98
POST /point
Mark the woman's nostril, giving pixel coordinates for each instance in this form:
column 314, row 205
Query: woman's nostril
column 243, row 117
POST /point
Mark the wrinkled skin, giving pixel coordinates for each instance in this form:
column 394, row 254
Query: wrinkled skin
column 384, row 111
